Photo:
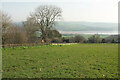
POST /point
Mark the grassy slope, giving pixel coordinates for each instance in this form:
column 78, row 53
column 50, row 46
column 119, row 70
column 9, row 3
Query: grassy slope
column 76, row 60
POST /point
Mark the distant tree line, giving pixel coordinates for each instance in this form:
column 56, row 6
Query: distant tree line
column 93, row 39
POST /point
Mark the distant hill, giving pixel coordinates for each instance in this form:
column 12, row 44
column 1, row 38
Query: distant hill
column 86, row 26
column 83, row 26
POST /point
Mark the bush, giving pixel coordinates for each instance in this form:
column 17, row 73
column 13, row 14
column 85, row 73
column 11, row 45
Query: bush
column 79, row 39
column 94, row 39
column 15, row 35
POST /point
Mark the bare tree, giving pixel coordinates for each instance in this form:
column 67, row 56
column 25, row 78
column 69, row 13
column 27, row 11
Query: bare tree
column 94, row 39
column 16, row 35
column 30, row 28
column 11, row 33
column 79, row 39
column 6, row 23
column 45, row 17
column 0, row 29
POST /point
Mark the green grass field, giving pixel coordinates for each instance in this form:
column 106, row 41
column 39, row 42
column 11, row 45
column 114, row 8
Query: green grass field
column 86, row 36
column 61, row 61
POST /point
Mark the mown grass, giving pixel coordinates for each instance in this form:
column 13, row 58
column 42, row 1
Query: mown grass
column 61, row 61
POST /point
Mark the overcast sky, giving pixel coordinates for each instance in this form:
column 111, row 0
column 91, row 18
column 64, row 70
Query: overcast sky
column 73, row 10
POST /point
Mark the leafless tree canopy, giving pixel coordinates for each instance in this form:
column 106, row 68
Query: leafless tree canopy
column 11, row 33
column 0, row 28
column 45, row 17
column 30, row 29
column 0, row 17
column 16, row 35
column 6, row 21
